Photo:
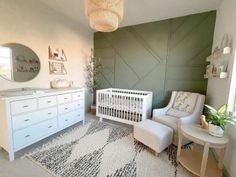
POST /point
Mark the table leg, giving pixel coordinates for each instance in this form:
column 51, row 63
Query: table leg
column 179, row 144
column 221, row 158
column 204, row 160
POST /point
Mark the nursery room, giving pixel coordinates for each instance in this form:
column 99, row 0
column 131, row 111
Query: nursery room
column 117, row 88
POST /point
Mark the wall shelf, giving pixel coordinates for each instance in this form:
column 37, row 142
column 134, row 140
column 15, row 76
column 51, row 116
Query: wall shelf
column 218, row 64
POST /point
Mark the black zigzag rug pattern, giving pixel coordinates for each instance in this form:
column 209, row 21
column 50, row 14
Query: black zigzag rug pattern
column 100, row 149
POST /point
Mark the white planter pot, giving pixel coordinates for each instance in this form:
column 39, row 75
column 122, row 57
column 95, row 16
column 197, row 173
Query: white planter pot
column 216, row 130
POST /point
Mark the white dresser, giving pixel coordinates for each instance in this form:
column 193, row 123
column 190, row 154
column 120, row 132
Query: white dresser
column 27, row 119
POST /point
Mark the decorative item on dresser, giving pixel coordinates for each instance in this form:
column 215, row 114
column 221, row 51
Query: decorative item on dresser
column 61, row 83
column 126, row 106
column 26, row 119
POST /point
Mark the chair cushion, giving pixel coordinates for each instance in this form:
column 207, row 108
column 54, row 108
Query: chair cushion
column 169, row 121
column 185, row 101
column 176, row 113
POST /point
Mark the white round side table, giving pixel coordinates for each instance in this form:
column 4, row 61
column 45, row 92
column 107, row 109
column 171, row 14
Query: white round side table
column 195, row 161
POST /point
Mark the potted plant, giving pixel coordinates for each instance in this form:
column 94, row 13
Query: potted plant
column 93, row 69
column 218, row 119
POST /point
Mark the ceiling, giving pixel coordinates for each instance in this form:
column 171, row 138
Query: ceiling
column 137, row 11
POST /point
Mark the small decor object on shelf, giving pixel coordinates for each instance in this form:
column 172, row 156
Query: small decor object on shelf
column 218, row 119
column 57, row 68
column 93, row 70
column 58, row 54
column 219, row 59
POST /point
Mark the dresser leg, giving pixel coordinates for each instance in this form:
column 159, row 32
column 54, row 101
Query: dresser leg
column 11, row 156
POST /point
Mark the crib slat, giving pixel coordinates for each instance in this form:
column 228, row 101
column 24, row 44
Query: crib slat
column 123, row 104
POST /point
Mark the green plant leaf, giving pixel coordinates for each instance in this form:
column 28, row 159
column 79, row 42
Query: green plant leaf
column 218, row 118
column 211, row 109
column 222, row 109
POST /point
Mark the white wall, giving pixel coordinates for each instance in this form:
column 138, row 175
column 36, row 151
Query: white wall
column 221, row 91
column 37, row 26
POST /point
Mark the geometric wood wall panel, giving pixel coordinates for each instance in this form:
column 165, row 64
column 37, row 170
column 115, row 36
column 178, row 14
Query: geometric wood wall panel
column 159, row 56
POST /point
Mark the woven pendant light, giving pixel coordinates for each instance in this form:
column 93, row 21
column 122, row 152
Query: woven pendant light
column 104, row 15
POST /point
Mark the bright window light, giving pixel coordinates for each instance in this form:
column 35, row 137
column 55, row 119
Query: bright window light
column 5, row 62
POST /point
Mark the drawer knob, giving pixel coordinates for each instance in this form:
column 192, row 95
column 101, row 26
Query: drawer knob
column 65, row 98
column 66, row 120
column 25, row 106
column 78, row 115
column 26, row 120
column 66, row 108
column 27, row 136
column 50, row 126
column 48, row 101
column 49, row 113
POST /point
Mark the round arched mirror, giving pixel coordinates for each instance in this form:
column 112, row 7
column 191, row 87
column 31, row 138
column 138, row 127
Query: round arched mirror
column 18, row 63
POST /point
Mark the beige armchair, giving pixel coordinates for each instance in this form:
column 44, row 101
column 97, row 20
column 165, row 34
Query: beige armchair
column 183, row 108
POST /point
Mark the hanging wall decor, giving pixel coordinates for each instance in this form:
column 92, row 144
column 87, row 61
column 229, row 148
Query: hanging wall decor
column 57, row 68
column 58, row 54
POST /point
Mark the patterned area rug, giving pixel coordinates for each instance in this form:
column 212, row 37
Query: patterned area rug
column 100, row 149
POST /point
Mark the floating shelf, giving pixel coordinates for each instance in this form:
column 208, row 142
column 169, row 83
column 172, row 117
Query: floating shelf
column 219, row 54
column 218, row 64
column 220, row 76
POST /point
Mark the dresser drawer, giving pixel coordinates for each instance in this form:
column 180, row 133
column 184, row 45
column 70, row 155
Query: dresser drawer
column 65, row 108
column 65, row 98
column 46, row 102
column 25, row 120
column 18, row 107
column 79, row 104
column 28, row 135
column 77, row 96
column 70, row 118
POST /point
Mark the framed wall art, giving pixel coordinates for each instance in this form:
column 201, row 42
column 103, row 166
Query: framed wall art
column 57, row 68
column 58, row 54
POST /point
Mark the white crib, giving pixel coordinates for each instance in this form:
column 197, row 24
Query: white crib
column 127, row 106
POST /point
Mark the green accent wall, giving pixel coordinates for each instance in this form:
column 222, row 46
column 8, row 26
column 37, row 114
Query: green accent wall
column 158, row 56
